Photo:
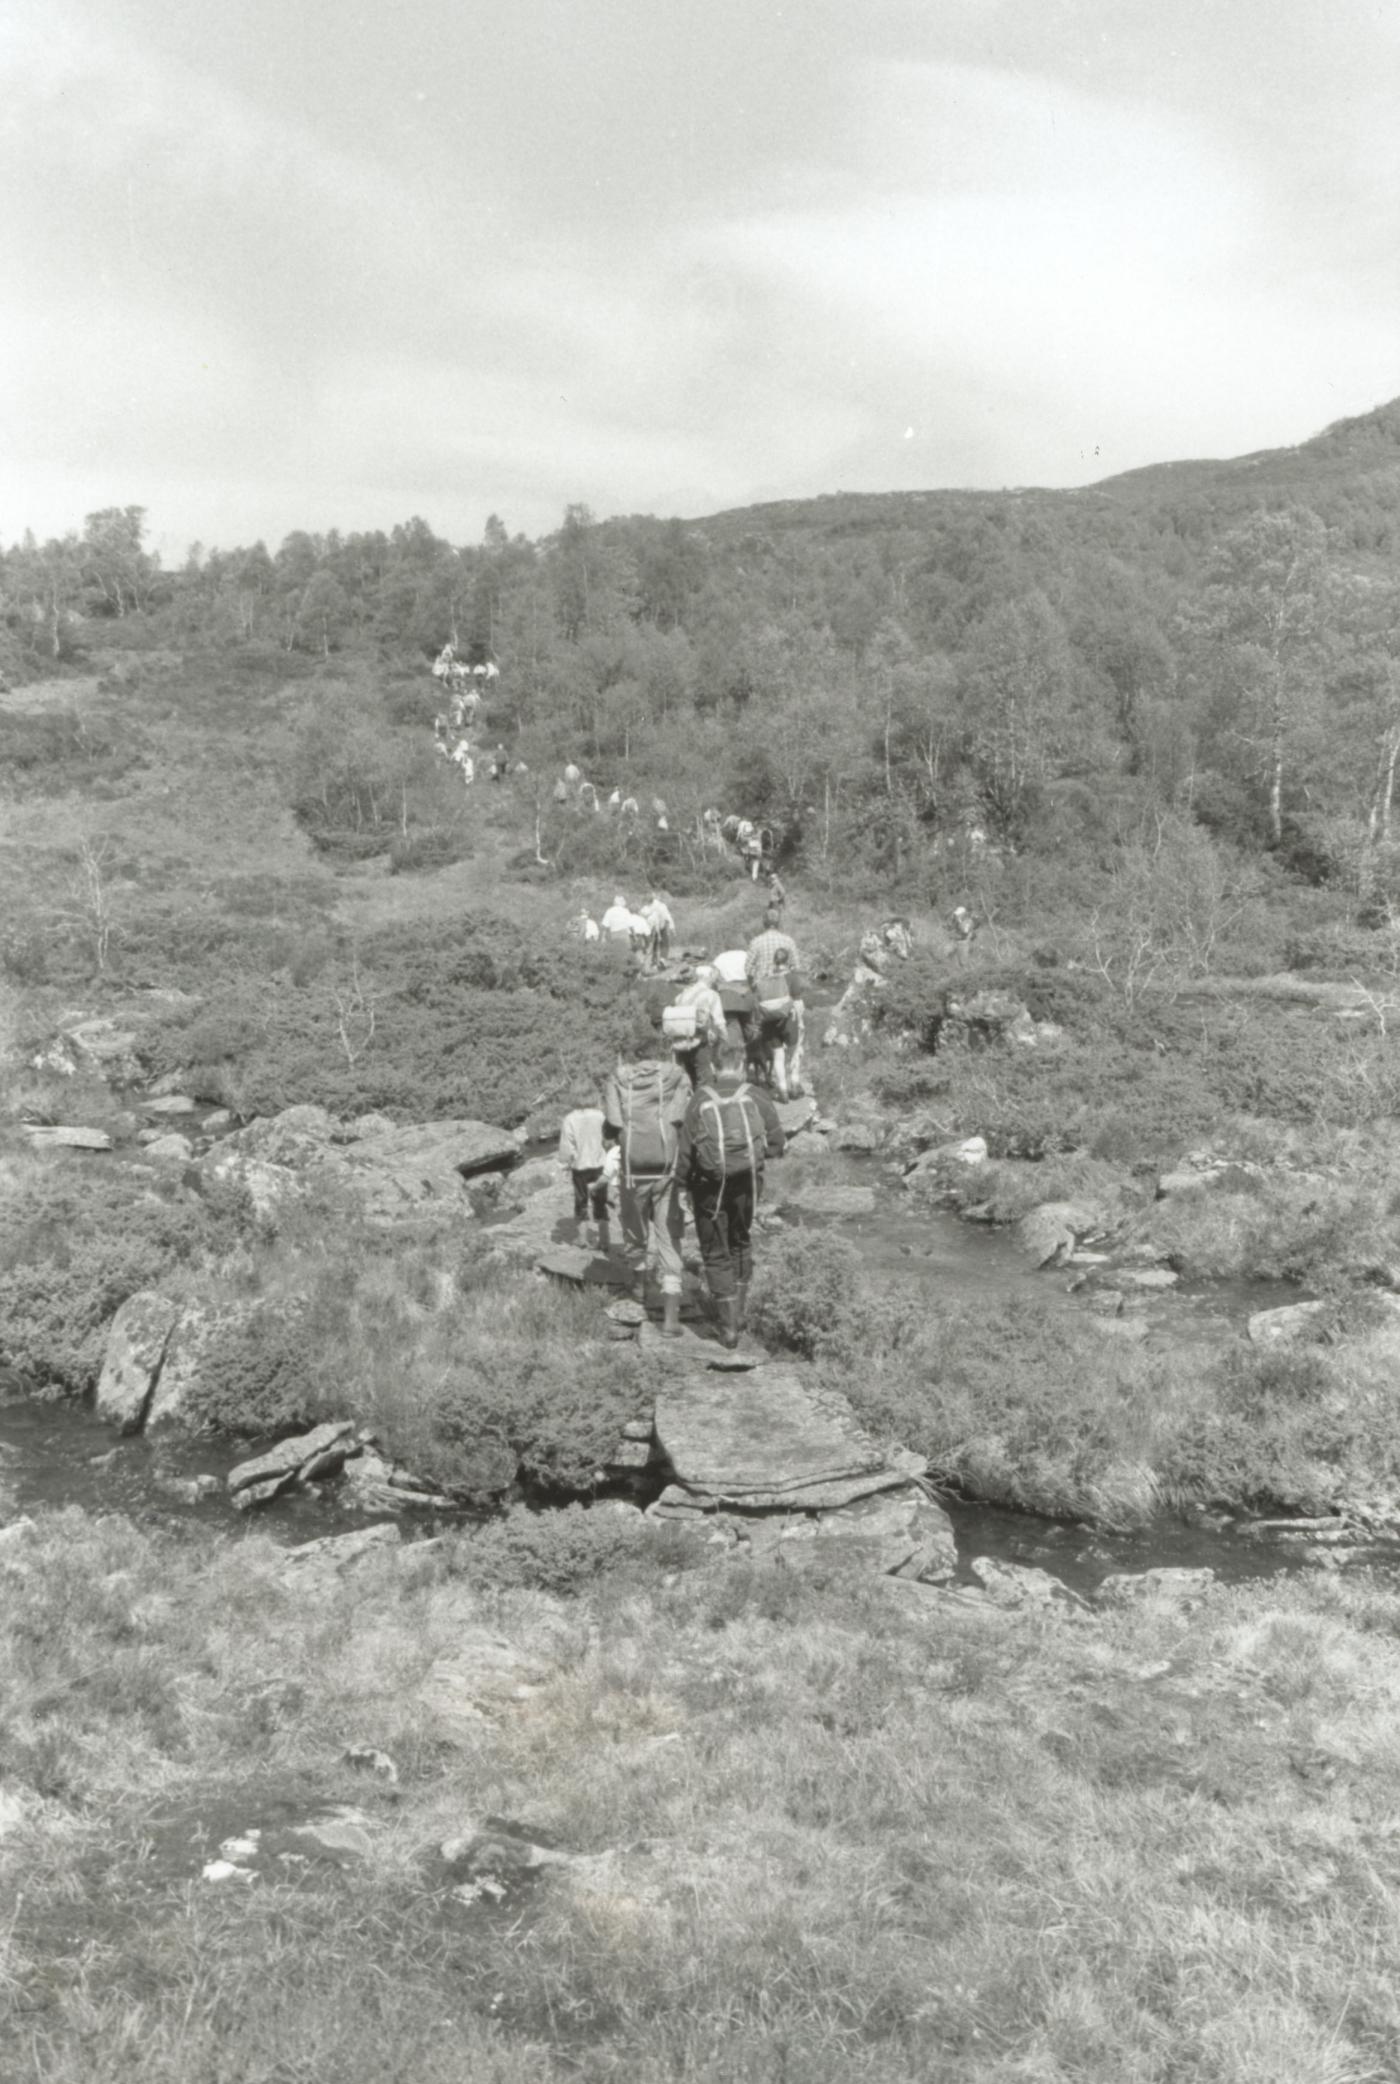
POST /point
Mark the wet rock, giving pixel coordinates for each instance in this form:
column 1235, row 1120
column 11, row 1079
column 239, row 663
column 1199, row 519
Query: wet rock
column 42, row 1137
column 1284, row 1327
column 900, row 1533
column 1168, row 1586
column 174, row 1149
column 189, row 1490
column 1021, row 1584
column 299, row 1459
column 380, row 1485
column 1048, row 1235
column 170, row 1103
column 136, row 1346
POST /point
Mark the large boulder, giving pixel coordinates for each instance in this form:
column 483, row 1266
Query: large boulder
column 992, row 1016
column 300, row 1459
column 396, row 1171
column 191, row 1346
column 136, row 1343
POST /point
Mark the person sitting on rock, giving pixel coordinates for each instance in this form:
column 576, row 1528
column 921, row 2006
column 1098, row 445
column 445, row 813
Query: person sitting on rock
column 730, row 1129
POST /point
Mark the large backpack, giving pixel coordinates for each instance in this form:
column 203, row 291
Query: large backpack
column 647, row 1102
column 730, row 1136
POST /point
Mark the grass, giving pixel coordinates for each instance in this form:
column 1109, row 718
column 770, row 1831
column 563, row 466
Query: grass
column 837, row 1830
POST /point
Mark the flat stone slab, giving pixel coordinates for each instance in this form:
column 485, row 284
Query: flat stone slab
column 679, row 1502
column 769, row 1434
column 587, row 1269
column 44, row 1138
column 323, row 1448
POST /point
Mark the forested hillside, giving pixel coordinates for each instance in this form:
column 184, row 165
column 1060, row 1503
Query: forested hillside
column 1216, row 645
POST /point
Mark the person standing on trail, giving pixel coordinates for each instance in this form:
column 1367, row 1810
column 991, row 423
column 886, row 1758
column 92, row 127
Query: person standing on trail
column 644, row 1105
column 730, row 1129
column 765, row 948
column 660, row 927
column 777, row 895
column 694, row 1024
column 582, row 1155
column 964, row 927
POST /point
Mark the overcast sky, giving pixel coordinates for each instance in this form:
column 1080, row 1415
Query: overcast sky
column 304, row 263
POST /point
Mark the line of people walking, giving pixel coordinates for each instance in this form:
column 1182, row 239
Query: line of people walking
column 667, row 1144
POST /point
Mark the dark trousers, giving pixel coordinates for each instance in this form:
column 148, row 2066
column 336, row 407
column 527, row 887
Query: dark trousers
column 723, row 1211
column 590, row 1187
column 697, row 1064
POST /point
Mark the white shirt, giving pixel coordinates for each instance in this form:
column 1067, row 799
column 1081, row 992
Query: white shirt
column 733, row 965
column 617, row 919
column 658, row 916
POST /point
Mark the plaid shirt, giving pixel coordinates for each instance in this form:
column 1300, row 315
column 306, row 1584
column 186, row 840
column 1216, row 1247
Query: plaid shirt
column 763, row 949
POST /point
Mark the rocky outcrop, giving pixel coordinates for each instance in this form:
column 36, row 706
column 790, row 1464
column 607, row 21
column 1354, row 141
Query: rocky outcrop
column 390, row 1172
column 1286, row 1326
column 98, row 1047
column 192, row 1343
column 991, row 1016
column 172, row 1149
column 301, row 1459
column 136, row 1344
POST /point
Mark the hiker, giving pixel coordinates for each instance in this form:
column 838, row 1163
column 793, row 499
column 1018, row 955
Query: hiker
column 660, row 927
column 740, row 1010
column 772, row 966
column 617, row 920
column 694, row 1024
column 583, row 1156
column 644, row 1105
column 898, row 939
column 964, row 927
column 583, row 927
column 500, row 764
column 775, row 1054
column 777, row 895
column 751, row 850
column 573, row 775
column 730, row 1128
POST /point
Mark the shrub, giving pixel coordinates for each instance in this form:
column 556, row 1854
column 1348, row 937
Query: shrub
column 559, row 1551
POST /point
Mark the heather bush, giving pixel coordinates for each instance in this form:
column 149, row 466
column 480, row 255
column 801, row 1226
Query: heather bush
column 559, row 1551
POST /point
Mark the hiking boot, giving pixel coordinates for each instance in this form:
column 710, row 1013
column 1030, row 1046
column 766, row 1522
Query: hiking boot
column 727, row 1311
column 670, row 1316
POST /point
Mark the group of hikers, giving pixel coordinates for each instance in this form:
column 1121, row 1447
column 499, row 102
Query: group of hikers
column 664, row 1144
column 695, row 1124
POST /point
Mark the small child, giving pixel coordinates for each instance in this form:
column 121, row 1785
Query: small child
column 582, row 1154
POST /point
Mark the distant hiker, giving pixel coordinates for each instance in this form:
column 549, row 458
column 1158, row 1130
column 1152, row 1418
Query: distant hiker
column 582, row 1154
column 500, row 764
column 898, row 939
column 644, row 1105
column 573, row 775
column 964, row 927
column 694, row 1024
column 561, row 792
column 751, row 849
column 730, row 1128
column 630, row 807
column 583, row 927
column 760, row 958
column 660, row 926
column 777, row 895
column 617, row 920
column 615, row 800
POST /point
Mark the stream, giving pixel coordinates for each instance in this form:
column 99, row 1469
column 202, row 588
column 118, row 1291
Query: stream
column 58, row 1453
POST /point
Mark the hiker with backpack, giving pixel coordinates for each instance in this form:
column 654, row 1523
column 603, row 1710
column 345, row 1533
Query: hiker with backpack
column 583, row 1155
column 730, row 1129
column 644, row 1105
column 694, row 1024
column 777, row 1041
column 732, row 984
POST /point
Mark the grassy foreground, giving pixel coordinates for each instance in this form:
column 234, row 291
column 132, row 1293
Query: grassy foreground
column 841, row 1829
